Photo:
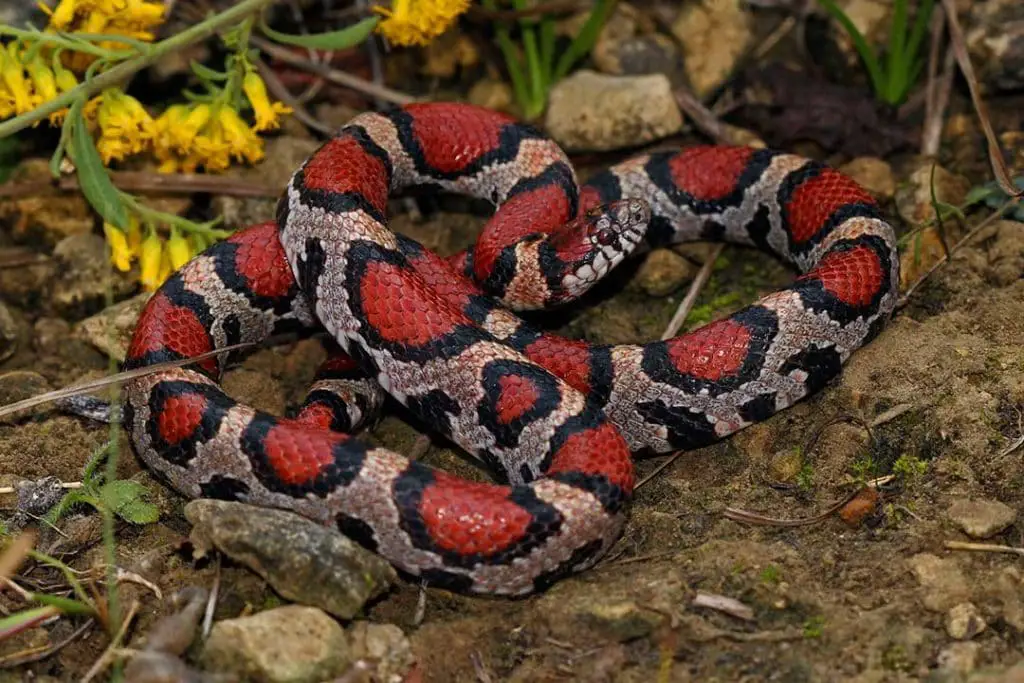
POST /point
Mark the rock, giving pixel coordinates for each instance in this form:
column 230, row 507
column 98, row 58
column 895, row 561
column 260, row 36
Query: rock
column 714, row 36
column 961, row 658
column 19, row 385
column 111, row 329
column 874, row 174
column 944, row 584
column 85, row 277
column 496, row 95
column 51, row 334
column 981, row 518
column 663, row 272
column 383, row 644
column 914, row 197
column 596, row 112
column 1008, row 591
column 12, row 333
column 44, row 216
column 302, row 560
column 26, row 281
column 625, row 48
column 290, row 644
column 963, row 622
column 1006, row 253
column 995, row 41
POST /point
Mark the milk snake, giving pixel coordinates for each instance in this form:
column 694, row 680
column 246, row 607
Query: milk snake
column 558, row 419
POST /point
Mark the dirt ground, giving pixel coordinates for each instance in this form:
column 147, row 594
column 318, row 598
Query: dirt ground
column 825, row 601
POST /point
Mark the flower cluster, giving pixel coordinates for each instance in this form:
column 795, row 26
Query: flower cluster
column 133, row 19
column 27, row 80
column 157, row 257
column 417, row 22
column 211, row 134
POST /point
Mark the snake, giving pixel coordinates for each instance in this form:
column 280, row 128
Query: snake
column 557, row 421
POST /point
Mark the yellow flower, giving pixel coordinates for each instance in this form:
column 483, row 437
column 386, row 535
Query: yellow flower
column 266, row 112
column 165, row 268
column 62, row 15
column 12, row 73
column 178, row 250
column 120, row 252
column 417, row 22
column 126, row 128
column 150, row 260
column 243, row 142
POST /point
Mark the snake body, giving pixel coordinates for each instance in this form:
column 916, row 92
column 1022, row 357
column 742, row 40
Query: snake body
column 557, row 419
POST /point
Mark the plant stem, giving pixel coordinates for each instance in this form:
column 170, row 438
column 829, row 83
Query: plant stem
column 122, row 71
column 54, row 39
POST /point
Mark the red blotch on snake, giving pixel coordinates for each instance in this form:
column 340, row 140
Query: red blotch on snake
column 518, row 395
column 478, row 133
column 599, row 450
column 298, row 454
column 812, row 203
column 711, row 352
column 180, row 416
column 567, row 358
column 400, row 309
column 539, row 210
column 471, row 518
column 164, row 325
column 261, row 260
column 709, row 173
column 853, row 276
column 342, row 165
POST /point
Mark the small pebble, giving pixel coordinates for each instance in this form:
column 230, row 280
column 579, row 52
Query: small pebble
column 963, row 622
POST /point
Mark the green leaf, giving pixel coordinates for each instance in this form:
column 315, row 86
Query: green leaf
column 20, row 621
column 96, row 185
column 860, row 43
column 206, row 72
column 139, row 512
column 584, row 41
column 126, row 499
column 66, row 605
column 332, row 40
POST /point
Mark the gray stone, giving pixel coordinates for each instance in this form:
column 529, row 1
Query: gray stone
column 944, row 584
column 981, row 518
column 593, row 111
column 385, row 645
column 963, row 622
column 304, row 561
column 290, row 644
column 111, row 329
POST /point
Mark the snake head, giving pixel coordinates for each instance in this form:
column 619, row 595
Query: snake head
column 587, row 248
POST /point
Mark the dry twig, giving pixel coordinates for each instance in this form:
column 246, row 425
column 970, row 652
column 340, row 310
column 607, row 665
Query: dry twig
column 691, row 296
column 984, row 547
column 334, row 75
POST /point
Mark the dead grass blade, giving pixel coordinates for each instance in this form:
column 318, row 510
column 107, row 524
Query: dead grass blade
column 92, row 385
column 995, row 156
